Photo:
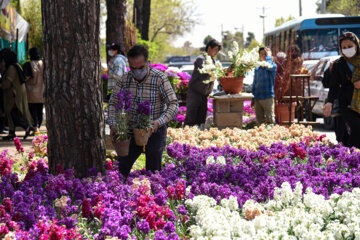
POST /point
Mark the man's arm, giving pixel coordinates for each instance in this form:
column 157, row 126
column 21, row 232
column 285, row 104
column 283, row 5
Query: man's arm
column 168, row 95
column 113, row 102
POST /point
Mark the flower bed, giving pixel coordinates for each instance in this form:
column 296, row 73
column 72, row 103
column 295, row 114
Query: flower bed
column 239, row 138
column 200, row 192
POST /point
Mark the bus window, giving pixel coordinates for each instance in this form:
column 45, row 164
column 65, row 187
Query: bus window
column 321, row 40
column 354, row 30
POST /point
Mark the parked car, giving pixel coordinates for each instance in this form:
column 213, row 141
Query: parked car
column 188, row 69
column 317, row 69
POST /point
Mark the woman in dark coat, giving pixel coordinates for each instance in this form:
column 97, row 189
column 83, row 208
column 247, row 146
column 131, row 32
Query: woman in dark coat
column 15, row 97
column 197, row 95
column 342, row 87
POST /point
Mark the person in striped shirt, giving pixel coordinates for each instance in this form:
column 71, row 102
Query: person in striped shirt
column 145, row 84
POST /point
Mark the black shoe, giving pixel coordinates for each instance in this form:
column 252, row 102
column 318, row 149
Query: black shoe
column 3, row 131
column 9, row 137
column 28, row 132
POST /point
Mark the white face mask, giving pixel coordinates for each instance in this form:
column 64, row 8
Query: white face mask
column 349, row 52
column 111, row 54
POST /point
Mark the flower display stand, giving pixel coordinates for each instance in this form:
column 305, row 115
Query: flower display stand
column 301, row 95
column 228, row 109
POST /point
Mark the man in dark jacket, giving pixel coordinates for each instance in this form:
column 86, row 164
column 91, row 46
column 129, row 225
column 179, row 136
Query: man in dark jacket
column 197, row 95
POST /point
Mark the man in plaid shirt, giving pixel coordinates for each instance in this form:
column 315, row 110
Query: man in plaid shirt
column 145, row 84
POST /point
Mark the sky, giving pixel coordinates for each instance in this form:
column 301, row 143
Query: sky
column 235, row 15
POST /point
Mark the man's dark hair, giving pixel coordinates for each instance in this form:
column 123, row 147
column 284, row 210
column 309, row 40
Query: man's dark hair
column 138, row 50
column 213, row 43
column 261, row 48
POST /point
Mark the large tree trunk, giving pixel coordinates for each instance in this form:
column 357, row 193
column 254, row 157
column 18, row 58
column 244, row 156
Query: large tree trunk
column 74, row 107
column 142, row 17
column 116, row 22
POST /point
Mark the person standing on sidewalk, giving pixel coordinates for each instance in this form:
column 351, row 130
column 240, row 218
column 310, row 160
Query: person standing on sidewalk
column 263, row 89
column 117, row 65
column 15, row 97
column 145, row 84
column 198, row 92
column 35, row 86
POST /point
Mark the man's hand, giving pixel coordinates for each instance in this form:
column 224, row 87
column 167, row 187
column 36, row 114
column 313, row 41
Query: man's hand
column 327, row 109
column 268, row 52
column 156, row 125
column 357, row 85
column 112, row 131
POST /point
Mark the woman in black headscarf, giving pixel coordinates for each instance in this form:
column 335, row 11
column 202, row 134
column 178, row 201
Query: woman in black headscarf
column 15, row 98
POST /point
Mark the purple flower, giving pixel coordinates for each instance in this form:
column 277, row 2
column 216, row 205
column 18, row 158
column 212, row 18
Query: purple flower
column 144, row 108
column 169, row 227
column 144, row 227
column 160, row 235
column 182, row 210
column 184, row 76
column 159, row 66
column 125, row 100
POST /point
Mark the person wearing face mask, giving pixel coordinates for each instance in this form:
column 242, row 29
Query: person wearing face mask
column 198, row 92
column 345, row 86
column 117, row 65
column 145, row 84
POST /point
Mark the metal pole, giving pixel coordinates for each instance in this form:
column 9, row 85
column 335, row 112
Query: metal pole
column 323, row 6
column 300, row 8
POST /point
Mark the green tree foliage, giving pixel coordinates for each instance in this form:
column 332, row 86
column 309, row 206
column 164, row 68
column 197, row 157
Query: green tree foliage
column 151, row 46
column 282, row 20
column 249, row 39
column 171, row 18
column 253, row 44
column 346, row 7
column 16, row 5
column 31, row 12
column 229, row 38
column 207, row 39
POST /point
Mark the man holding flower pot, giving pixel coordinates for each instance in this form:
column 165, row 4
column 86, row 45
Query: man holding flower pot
column 263, row 88
column 150, row 89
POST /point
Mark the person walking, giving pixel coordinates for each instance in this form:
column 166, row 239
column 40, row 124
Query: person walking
column 198, row 92
column 116, row 65
column 345, row 86
column 145, row 84
column 35, row 86
column 263, row 89
column 14, row 91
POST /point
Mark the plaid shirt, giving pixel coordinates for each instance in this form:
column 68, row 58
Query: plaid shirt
column 155, row 88
column 117, row 68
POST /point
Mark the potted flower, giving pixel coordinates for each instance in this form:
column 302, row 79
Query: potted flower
column 242, row 61
column 183, row 86
column 213, row 69
column 121, row 140
column 143, row 126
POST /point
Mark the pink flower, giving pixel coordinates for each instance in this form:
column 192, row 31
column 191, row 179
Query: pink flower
column 86, row 208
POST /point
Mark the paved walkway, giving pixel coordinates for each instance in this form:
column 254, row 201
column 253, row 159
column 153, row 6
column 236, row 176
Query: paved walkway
column 27, row 144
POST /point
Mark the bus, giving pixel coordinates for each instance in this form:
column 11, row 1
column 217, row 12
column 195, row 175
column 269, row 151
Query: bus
column 317, row 37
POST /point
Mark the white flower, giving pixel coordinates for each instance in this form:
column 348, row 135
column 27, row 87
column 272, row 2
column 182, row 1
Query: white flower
column 210, row 160
column 221, row 160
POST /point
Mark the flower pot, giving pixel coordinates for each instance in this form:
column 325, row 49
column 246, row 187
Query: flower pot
column 282, row 112
column 231, row 84
column 121, row 147
column 141, row 136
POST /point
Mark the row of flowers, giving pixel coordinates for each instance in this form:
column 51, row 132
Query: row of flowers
column 240, row 138
column 201, row 193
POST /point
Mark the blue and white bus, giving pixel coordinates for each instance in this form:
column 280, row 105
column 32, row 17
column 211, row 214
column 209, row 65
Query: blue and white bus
column 317, row 37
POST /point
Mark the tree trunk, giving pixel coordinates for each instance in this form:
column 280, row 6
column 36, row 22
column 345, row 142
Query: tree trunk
column 142, row 17
column 138, row 14
column 74, row 107
column 146, row 19
column 116, row 22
